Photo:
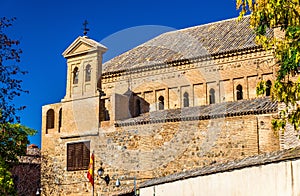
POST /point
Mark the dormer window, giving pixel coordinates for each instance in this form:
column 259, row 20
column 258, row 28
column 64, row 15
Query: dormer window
column 88, row 71
column 75, row 75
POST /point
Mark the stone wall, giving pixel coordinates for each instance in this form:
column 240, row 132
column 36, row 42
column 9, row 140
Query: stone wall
column 27, row 172
column 155, row 150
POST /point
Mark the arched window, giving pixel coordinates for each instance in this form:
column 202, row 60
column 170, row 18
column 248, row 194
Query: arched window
column 88, row 73
column 59, row 120
column 75, row 75
column 268, row 88
column 186, row 100
column 49, row 120
column 161, row 103
column 137, row 107
column 239, row 92
column 212, row 98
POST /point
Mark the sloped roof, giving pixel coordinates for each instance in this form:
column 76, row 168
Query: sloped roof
column 193, row 42
column 219, row 110
column 262, row 159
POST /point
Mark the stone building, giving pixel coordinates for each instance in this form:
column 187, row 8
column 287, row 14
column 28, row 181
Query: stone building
column 183, row 100
column 27, row 173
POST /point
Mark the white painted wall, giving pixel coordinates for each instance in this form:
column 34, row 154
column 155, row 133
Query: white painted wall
column 274, row 179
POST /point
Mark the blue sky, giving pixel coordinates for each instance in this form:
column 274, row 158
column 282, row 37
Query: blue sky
column 46, row 28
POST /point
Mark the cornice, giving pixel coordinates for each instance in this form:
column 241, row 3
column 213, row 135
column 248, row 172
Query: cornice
column 79, row 135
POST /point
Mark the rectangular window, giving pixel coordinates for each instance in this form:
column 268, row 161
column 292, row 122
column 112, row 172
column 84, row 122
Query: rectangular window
column 78, row 156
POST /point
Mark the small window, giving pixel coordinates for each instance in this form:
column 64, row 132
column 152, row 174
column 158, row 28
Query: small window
column 186, row 100
column 75, row 75
column 88, row 73
column 239, row 92
column 49, row 120
column 212, row 98
column 161, row 103
column 78, row 156
column 268, row 88
column 59, row 120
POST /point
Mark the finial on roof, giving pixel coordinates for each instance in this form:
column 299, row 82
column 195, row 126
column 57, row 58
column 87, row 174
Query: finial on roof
column 85, row 29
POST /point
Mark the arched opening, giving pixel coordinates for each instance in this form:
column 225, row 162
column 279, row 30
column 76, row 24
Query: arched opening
column 88, row 71
column 49, row 120
column 239, row 92
column 268, row 88
column 75, row 75
column 161, row 103
column 186, row 100
column 212, row 98
column 137, row 107
column 59, row 119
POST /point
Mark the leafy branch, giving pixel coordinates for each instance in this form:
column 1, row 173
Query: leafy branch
column 283, row 15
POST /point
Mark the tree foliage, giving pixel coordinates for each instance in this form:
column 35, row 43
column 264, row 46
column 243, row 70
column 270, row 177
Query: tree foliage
column 13, row 136
column 283, row 15
column 14, row 140
column 10, row 84
column 6, row 181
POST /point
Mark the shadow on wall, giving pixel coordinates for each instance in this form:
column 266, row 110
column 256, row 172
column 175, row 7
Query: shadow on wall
column 129, row 105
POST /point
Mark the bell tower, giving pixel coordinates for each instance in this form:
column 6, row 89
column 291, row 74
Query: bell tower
column 84, row 68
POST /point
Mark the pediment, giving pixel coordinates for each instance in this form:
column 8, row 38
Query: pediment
column 83, row 45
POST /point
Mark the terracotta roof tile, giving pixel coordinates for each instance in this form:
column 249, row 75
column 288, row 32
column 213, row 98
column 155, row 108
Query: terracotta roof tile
column 193, row 42
column 236, row 108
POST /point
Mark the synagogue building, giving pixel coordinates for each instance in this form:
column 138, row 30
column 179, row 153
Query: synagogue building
column 181, row 101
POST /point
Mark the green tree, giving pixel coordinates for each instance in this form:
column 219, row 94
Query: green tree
column 13, row 136
column 6, row 181
column 283, row 15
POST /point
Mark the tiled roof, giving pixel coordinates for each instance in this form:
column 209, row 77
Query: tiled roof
column 256, row 160
column 33, row 155
column 193, row 42
column 225, row 109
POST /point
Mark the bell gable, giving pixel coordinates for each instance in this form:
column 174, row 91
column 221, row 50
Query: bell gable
column 83, row 45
